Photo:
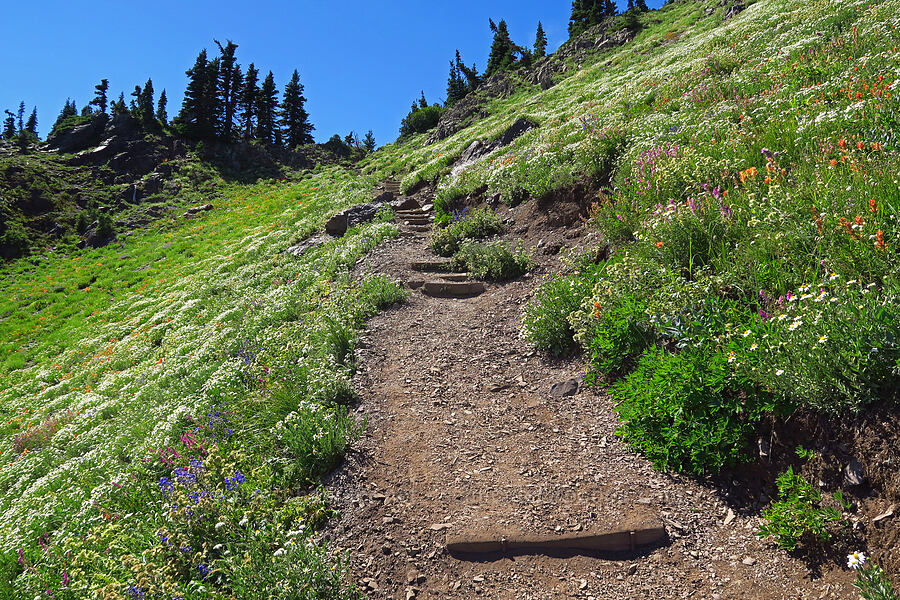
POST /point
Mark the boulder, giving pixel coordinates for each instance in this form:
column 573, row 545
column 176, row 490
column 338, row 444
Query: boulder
column 479, row 149
column 195, row 210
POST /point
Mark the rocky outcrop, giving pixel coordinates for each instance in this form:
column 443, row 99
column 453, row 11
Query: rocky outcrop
column 86, row 135
column 471, row 108
column 479, row 149
column 596, row 39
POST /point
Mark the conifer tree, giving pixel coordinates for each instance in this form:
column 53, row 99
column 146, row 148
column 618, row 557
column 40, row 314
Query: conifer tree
column 503, row 49
column 540, row 42
column 86, row 110
column 295, row 123
column 229, row 85
column 145, row 105
column 267, row 107
column 248, row 101
column 9, row 125
column 133, row 103
column 630, row 6
column 456, row 87
column 369, row 141
column 119, row 107
column 473, row 79
column 161, row 114
column 21, row 119
column 32, row 122
column 423, row 103
column 199, row 111
column 100, row 95
column 67, row 111
column 641, row 5
column 587, row 13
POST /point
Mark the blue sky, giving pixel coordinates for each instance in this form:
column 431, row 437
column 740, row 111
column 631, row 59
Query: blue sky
column 362, row 63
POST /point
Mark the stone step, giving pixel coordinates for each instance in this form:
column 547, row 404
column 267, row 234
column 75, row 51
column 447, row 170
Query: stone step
column 448, row 289
column 455, row 277
column 411, row 213
column 430, row 266
column 422, row 228
column 417, row 220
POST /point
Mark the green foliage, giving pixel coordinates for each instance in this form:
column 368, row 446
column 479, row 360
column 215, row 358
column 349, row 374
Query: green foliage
column 546, row 321
column 420, row 120
column 800, row 514
column 874, row 584
column 834, row 347
column 314, row 439
column 502, row 56
column 616, row 335
column 482, row 223
column 495, row 261
column 686, row 412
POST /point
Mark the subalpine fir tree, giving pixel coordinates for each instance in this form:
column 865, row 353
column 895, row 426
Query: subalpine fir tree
column 503, row 50
column 199, row 111
column 641, row 5
column 21, row 119
column 133, row 103
column 145, row 105
column 100, row 95
column 540, row 42
column 32, row 122
column 9, row 125
column 68, row 110
column 247, row 105
column 161, row 114
column 230, row 80
column 423, row 103
column 119, row 107
column 587, row 13
column 456, row 86
column 295, row 125
column 369, row 141
column 267, row 111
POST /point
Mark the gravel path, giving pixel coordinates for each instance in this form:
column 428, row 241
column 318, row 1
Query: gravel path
column 463, row 435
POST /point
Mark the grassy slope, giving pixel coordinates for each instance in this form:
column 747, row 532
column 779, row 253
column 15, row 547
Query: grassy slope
column 107, row 351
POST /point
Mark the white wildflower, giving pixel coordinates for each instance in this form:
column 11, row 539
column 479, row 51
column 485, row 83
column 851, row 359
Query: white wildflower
column 856, row 560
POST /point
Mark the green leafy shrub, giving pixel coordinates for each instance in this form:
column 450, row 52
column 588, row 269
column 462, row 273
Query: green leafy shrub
column 481, row 223
column 421, row 120
column 685, row 412
column 616, row 335
column 494, row 261
column 546, row 321
column 799, row 514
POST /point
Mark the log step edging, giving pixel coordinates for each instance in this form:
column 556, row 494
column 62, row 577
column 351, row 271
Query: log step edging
column 449, row 289
column 628, row 540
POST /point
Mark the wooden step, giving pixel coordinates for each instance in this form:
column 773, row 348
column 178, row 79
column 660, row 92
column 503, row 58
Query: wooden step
column 410, row 213
column 417, row 220
column 449, row 289
column 430, row 266
column 455, row 277
column 420, row 228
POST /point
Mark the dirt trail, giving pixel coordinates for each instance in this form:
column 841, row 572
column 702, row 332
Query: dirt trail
column 464, row 435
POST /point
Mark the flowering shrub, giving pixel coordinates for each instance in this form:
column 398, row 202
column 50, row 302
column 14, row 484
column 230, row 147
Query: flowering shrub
column 545, row 321
column 494, row 261
column 834, row 346
column 480, row 223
